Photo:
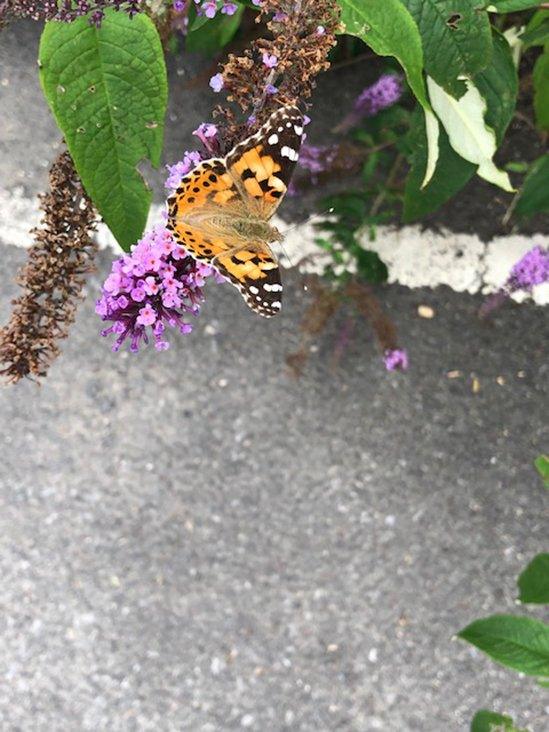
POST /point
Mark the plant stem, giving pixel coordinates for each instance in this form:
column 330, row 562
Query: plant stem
column 388, row 183
column 350, row 61
column 507, row 215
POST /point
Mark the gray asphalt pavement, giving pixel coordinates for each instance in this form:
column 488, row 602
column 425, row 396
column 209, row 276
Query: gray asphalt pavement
column 194, row 540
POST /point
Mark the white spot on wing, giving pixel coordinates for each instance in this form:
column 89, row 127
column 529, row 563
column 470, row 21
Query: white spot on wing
column 273, row 139
column 288, row 152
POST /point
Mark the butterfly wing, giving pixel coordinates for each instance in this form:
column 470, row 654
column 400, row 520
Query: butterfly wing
column 262, row 165
column 206, row 188
column 252, row 268
column 256, row 274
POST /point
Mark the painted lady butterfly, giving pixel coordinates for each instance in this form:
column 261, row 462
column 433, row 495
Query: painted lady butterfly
column 220, row 211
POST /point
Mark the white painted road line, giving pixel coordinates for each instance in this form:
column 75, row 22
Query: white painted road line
column 414, row 257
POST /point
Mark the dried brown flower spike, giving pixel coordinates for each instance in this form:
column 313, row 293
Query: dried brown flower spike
column 53, row 277
column 282, row 68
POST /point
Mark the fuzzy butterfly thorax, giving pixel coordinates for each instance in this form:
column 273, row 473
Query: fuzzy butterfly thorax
column 220, row 211
column 251, row 229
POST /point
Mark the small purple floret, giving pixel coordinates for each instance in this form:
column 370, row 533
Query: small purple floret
column 270, row 60
column 217, row 83
column 207, row 134
column 209, row 9
column 229, row 8
column 395, row 359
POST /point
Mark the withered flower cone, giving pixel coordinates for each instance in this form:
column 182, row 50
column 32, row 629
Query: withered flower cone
column 52, row 279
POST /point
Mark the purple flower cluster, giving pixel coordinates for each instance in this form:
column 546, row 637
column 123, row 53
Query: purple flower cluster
column 532, row 269
column 386, row 91
column 158, row 282
column 395, row 359
column 68, row 10
column 178, row 170
column 151, row 288
column 317, row 158
column 207, row 134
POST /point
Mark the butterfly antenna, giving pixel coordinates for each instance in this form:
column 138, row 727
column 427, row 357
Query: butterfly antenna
column 309, row 219
column 293, row 227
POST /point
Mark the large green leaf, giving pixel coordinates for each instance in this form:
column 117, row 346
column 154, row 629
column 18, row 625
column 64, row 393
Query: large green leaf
column 456, row 39
column 107, row 89
column 534, row 581
column 542, row 466
column 451, row 174
column 485, row 721
column 517, row 642
column 389, row 29
column 534, row 194
column 498, row 85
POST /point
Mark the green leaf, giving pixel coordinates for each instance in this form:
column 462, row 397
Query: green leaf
column 485, row 721
column 510, row 6
column 534, row 581
column 542, row 465
column 464, row 120
column 210, row 37
column 107, row 89
column 456, row 40
column 389, row 30
column 541, row 90
column 498, row 85
column 516, row 166
column 536, row 32
column 451, row 174
column 534, row 194
column 516, row 642
column 370, row 267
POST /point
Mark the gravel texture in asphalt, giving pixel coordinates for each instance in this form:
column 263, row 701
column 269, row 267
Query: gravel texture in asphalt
column 194, row 540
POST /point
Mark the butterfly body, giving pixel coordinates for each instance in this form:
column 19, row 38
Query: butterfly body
column 220, row 211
